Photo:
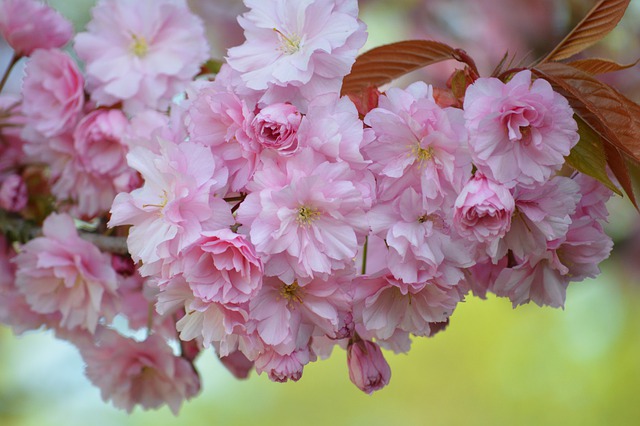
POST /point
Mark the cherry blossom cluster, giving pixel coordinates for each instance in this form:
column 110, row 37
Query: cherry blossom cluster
column 266, row 216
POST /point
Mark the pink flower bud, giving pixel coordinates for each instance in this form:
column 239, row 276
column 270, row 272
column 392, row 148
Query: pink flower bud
column 276, row 126
column 28, row 25
column 13, row 193
column 483, row 210
column 368, row 369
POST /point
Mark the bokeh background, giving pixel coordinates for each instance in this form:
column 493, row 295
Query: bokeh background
column 493, row 366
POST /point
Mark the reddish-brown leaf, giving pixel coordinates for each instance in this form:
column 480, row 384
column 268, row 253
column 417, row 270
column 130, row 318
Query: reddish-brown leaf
column 618, row 166
column 610, row 113
column 595, row 66
column 600, row 20
column 615, row 118
column 386, row 63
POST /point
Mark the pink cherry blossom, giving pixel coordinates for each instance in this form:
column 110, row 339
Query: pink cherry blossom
column 53, row 92
column 141, row 52
column 282, row 368
column 223, row 267
column 28, row 25
column 368, row 369
column 276, row 127
column 295, row 51
column 519, row 132
column 98, row 141
column 332, row 127
column 483, row 212
column 417, row 143
column 221, row 120
column 61, row 272
column 419, row 238
column 383, row 304
column 209, row 322
column 307, row 219
column 14, row 309
column 180, row 198
column 544, row 214
column 95, row 168
column 145, row 373
column 287, row 314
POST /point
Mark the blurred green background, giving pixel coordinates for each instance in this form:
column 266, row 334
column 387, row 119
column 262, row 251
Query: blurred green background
column 493, row 366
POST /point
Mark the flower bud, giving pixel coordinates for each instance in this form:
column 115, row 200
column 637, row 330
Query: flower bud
column 368, row 369
column 276, row 127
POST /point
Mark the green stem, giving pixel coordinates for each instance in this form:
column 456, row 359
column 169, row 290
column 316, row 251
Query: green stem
column 364, row 255
column 14, row 60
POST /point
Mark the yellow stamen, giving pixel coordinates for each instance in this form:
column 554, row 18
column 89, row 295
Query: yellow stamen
column 164, row 199
column 292, row 292
column 421, row 154
column 307, row 215
column 139, row 46
column 289, row 45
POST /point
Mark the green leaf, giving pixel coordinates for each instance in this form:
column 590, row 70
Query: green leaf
column 212, row 66
column 589, row 157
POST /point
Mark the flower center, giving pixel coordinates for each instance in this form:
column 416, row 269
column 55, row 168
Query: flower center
column 288, row 45
column 307, row 215
column 164, row 199
column 421, row 154
column 139, row 46
column 292, row 292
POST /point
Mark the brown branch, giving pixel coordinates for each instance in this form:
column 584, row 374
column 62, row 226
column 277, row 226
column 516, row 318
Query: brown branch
column 17, row 228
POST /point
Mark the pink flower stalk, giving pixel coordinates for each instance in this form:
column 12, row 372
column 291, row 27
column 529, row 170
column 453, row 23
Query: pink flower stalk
column 519, row 132
column 180, row 198
column 13, row 193
column 383, row 304
column 61, row 272
column 28, row 25
column 418, row 143
column 483, row 212
column 53, row 91
column 306, row 220
column 221, row 120
column 368, row 369
column 222, row 267
column 295, row 51
column 146, row 373
column 276, row 127
column 141, row 52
